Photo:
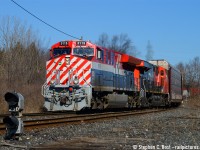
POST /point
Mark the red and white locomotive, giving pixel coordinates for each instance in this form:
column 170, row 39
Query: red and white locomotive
column 82, row 75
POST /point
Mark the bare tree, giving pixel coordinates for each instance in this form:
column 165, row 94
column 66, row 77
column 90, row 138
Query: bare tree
column 13, row 31
column 114, row 43
column 182, row 68
column 121, row 43
column 195, row 65
column 103, row 40
column 191, row 74
column 149, row 54
column 22, row 59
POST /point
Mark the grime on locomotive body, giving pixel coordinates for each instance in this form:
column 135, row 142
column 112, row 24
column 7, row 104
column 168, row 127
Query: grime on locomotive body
column 83, row 75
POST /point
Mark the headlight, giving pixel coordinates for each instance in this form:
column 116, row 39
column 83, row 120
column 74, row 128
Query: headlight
column 76, row 81
column 52, row 81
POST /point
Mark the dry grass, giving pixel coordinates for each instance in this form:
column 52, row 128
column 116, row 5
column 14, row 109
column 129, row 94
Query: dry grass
column 193, row 101
column 32, row 96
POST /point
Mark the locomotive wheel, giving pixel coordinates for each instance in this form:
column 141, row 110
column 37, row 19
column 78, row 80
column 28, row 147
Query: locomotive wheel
column 167, row 103
column 143, row 102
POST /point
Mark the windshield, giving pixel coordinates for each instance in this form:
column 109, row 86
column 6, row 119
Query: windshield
column 61, row 51
column 86, row 51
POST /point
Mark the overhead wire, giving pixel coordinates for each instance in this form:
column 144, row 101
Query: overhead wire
column 45, row 22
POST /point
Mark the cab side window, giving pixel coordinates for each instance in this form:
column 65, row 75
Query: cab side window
column 99, row 54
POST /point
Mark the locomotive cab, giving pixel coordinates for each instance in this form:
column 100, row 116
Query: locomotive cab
column 79, row 48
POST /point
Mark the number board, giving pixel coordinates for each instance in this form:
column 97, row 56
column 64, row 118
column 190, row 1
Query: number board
column 80, row 43
column 63, row 43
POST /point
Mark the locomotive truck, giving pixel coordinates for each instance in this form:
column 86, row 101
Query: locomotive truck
column 82, row 75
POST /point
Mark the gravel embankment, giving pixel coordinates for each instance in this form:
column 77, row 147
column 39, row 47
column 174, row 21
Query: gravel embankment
column 175, row 129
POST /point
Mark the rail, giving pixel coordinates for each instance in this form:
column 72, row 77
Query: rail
column 78, row 119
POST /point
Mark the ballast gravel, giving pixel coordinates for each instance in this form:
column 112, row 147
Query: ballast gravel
column 173, row 129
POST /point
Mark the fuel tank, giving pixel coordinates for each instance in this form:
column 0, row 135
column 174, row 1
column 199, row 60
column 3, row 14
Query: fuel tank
column 116, row 100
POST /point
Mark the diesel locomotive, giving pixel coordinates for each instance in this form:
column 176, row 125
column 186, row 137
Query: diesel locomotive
column 82, row 75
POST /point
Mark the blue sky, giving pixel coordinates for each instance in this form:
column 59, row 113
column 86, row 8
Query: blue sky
column 172, row 26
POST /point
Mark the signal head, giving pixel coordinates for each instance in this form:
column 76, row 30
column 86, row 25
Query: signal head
column 15, row 101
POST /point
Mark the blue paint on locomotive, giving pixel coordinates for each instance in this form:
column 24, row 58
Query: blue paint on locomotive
column 149, row 71
column 129, row 80
column 107, row 79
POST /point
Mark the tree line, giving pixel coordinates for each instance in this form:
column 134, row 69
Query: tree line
column 22, row 63
column 191, row 75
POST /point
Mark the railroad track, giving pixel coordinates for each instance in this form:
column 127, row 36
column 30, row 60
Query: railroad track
column 77, row 119
column 41, row 114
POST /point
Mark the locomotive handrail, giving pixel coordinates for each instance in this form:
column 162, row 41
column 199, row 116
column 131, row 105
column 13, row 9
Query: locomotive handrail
column 85, row 79
column 44, row 86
